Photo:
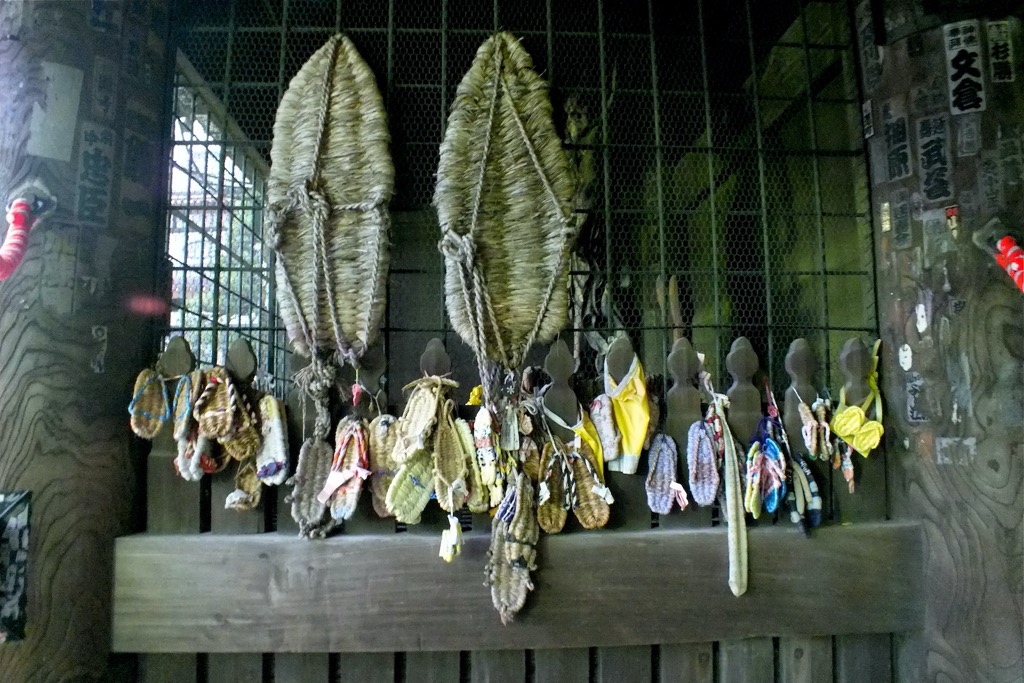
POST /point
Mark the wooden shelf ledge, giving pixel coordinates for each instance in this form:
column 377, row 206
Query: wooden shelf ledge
column 276, row 593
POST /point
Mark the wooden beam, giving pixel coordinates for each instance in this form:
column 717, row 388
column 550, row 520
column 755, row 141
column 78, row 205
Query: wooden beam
column 274, row 593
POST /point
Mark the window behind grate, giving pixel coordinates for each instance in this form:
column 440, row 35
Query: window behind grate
column 220, row 276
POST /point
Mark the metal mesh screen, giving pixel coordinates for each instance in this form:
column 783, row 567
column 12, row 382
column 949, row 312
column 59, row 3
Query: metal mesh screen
column 723, row 140
column 220, row 286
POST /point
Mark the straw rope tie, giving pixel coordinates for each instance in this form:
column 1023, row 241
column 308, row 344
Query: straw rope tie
column 316, row 380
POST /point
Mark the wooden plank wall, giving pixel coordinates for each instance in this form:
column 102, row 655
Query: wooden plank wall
column 763, row 659
column 82, row 120
column 955, row 410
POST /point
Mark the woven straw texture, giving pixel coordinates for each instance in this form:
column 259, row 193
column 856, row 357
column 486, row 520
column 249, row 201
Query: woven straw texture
column 513, row 553
column 330, row 181
column 150, row 404
column 350, row 439
column 551, row 515
column 479, row 500
column 185, row 396
column 310, row 477
column 381, row 442
column 591, row 509
column 503, row 198
column 217, row 409
column 449, row 461
column 416, row 425
column 410, row 491
column 248, row 490
column 530, row 460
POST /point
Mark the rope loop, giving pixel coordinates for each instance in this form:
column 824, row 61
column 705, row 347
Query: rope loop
column 316, row 379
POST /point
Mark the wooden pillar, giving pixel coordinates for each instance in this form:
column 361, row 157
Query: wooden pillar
column 946, row 157
column 84, row 90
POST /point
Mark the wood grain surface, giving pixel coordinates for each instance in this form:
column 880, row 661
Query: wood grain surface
column 961, row 471
column 365, row 593
column 69, row 348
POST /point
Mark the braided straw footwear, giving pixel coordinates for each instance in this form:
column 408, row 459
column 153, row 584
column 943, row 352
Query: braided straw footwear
column 381, row 434
column 513, row 554
column 189, row 388
column 504, row 200
column 149, row 408
column 410, row 491
column 551, row 513
column 217, row 408
column 591, row 509
column 479, row 500
column 449, row 462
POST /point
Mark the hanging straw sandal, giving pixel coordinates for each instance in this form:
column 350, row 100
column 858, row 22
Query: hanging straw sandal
column 450, row 471
column 513, row 553
column 186, row 393
column 245, row 441
column 150, row 406
column 217, row 408
column 604, row 422
column 479, row 496
column 310, row 476
column 416, row 425
column 272, row 457
column 504, row 201
column 349, row 470
column 552, row 509
column 702, row 463
column 381, row 435
column 530, row 459
column 591, row 505
column 410, row 490
column 247, row 493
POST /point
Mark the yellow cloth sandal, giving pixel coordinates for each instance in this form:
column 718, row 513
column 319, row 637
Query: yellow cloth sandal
column 851, row 423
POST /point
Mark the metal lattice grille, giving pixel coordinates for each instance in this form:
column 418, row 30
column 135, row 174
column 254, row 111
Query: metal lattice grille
column 220, row 286
column 723, row 138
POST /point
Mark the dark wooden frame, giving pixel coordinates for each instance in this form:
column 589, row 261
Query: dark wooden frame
column 276, row 593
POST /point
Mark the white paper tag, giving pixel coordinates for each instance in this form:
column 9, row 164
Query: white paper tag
column 544, row 494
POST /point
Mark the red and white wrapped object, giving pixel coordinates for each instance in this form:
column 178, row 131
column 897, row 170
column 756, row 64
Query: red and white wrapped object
column 19, row 222
column 1010, row 258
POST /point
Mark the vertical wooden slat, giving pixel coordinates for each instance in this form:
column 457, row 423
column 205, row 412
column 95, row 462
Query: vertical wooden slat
column 366, row 667
column 682, row 409
column 301, row 668
column 295, row 667
column 863, row 659
column 568, row 665
column 497, row 666
column 630, row 511
column 805, row 660
column 687, row 663
column 616, row 664
column 248, row 667
column 432, row 667
column 746, row 661
column 172, row 506
column 235, row 668
column 754, row 656
column 169, row 668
